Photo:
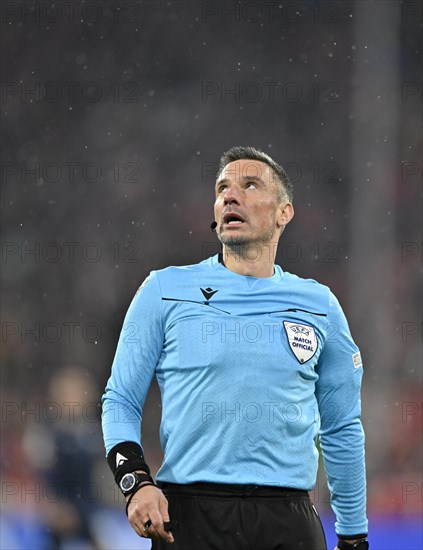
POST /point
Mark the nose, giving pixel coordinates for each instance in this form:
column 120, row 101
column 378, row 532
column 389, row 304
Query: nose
column 231, row 196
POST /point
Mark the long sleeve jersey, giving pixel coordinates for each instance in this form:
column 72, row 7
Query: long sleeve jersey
column 252, row 372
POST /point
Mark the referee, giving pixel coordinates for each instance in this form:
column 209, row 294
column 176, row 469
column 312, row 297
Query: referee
column 255, row 366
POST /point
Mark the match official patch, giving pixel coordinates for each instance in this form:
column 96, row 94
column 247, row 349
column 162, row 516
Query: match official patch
column 357, row 362
column 302, row 340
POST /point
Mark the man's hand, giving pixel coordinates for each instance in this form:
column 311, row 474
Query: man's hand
column 147, row 512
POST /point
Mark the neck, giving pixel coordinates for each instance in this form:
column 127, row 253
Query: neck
column 254, row 260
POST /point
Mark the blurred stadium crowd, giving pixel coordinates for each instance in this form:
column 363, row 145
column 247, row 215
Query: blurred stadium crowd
column 112, row 129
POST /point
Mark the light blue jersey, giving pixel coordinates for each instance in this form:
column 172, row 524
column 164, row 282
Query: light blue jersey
column 251, row 372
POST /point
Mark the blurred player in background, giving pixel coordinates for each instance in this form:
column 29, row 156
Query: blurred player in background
column 254, row 365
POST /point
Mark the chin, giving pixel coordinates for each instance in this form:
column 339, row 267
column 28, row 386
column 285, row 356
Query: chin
column 236, row 240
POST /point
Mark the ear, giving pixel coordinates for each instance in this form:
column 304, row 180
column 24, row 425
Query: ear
column 285, row 213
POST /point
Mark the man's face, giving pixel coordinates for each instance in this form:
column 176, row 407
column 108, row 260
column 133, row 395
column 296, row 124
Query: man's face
column 246, row 208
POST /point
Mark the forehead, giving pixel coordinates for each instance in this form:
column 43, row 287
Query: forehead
column 238, row 170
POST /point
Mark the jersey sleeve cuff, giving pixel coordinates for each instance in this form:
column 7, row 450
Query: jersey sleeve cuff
column 356, row 531
column 354, row 536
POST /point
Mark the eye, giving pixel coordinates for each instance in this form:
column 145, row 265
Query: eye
column 250, row 183
column 221, row 188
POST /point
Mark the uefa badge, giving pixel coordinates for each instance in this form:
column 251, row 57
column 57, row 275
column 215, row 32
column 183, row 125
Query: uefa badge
column 302, row 340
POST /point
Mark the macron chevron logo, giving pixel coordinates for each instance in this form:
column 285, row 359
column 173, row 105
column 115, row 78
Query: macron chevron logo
column 208, row 292
column 120, row 459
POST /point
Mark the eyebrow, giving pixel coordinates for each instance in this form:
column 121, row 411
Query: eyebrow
column 243, row 178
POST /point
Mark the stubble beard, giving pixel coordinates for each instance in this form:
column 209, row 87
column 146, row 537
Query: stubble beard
column 245, row 246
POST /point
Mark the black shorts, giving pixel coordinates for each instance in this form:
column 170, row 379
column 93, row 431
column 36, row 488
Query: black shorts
column 209, row 516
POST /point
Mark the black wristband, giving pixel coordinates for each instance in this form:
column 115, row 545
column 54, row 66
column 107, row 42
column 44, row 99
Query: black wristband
column 357, row 545
column 126, row 457
column 349, row 537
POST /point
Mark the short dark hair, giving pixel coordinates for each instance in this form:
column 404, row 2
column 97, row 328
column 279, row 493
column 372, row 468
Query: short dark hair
column 285, row 187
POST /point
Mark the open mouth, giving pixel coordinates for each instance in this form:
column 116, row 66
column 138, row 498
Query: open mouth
column 230, row 218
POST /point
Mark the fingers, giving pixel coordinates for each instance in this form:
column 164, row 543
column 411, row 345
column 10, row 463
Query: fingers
column 138, row 528
column 148, row 530
column 159, row 518
column 147, row 513
column 144, row 528
column 155, row 529
column 164, row 511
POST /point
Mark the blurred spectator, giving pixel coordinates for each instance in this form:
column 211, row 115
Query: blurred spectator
column 64, row 451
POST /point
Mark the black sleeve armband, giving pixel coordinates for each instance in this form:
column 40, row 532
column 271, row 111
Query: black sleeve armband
column 361, row 544
column 126, row 457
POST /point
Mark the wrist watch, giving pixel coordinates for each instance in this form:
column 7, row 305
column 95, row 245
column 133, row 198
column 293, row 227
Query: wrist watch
column 130, row 482
column 361, row 544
